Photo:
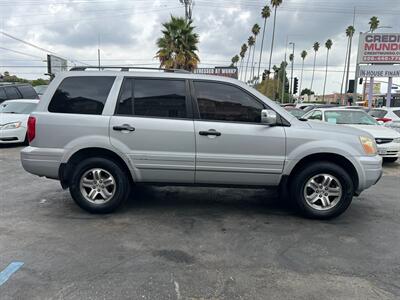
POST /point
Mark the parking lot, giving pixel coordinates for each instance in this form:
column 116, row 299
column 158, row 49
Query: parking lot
column 194, row 243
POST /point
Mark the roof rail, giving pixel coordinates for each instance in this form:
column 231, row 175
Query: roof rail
column 127, row 68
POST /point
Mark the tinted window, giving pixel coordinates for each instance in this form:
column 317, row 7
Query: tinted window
column 378, row 113
column 12, row 92
column 224, row 102
column 27, row 92
column 3, row 95
column 81, row 95
column 153, row 98
column 397, row 112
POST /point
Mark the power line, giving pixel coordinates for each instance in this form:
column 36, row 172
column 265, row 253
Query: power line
column 21, row 53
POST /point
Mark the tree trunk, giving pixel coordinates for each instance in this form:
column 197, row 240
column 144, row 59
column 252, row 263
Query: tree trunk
column 272, row 43
column 344, row 71
column 261, row 49
column 252, row 60
column 247, row 65
column 301, row 77
column 313, row 71
column 348, row 66
column 326, row 74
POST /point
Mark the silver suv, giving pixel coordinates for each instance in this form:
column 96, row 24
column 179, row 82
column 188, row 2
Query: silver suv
column 101, row 132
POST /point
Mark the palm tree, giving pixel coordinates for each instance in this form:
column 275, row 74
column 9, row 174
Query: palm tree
column 316, row 48
column 250, row 42
column 255, row 30
column 303, row 57
column 178, row 45
column 373, row 23
column 275, row 4
column 328, row 46
column 349, row 33
column 242, row 55
column 265, row 14
column 235, row 60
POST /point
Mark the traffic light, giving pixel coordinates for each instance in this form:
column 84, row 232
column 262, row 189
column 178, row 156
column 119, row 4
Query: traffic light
column 295, row 86
column 264, row 75
column 351, row 86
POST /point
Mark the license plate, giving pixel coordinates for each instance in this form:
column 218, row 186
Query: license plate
column 382, row 151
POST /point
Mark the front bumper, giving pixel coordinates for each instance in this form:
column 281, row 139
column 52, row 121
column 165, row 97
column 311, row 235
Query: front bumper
column 389, row 149
column 371, row 172
column 12, row 135
column 42, row 161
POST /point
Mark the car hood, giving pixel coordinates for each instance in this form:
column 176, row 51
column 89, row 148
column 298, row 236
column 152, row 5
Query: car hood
column 377, row 131
column 334, row 128
column 6, row 118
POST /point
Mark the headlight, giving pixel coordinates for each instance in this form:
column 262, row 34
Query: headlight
column 369, row 145
column 14, row 125
column 396, row 140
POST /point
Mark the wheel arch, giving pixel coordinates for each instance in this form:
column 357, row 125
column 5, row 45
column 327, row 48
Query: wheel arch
column 66, row 168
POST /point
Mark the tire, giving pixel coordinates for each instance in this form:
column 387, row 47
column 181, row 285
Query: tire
column 389, row 159
column 341, row 187
column 110, row 176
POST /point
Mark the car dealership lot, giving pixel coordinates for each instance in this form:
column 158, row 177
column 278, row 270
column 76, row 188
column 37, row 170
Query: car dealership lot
column 194, row 243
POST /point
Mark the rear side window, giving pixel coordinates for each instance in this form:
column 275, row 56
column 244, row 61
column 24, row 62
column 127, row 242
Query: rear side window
column 3, row 95
column 316, row 115
column 397, row 112
column 12, row 92
column 81, row 95
column 378, row 113
column 27, row 92
column 222, row 102
column 153, row 98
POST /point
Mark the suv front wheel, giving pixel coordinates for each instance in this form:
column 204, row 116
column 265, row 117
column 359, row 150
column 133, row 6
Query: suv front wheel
column 322, row 190
column 99, row 185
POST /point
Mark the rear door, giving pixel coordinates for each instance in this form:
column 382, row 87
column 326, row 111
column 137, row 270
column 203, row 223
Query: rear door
column 153, row 125
column 233, row 147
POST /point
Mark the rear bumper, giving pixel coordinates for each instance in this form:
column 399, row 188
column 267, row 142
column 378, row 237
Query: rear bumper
column 42, row 161
column 371, row 172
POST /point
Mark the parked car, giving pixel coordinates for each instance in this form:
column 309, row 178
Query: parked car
column 389, row 116
column 388, row 140
column 40, row 89
column 14, row 116
column 314, row 106
column 99, row 133
column 297, row 112
column 9, row 91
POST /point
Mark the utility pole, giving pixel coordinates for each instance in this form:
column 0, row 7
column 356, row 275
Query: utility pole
column 98, row 51
column 283, row 73
column 291, row 73
column 188, row 8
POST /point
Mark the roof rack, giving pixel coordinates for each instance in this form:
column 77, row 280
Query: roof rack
column 125, row 69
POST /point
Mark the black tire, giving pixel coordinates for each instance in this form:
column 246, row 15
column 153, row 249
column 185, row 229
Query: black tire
column 389, row 159
column 122, row 185
column 298, row 183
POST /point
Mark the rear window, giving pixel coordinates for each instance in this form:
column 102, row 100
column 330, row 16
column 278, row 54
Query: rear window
column 27, row 92
column 17, row 107
column 82, row 95
column 12, row 92
column 378, row 113
column 3, row 95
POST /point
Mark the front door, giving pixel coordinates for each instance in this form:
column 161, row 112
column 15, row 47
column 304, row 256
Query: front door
column 233, row 147
column 154, row 126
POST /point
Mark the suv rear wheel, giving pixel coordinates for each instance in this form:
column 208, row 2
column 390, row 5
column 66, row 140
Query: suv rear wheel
column 322, row 190
column 99, row 185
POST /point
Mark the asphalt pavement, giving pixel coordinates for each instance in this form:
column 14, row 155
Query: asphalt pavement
column 193, row 243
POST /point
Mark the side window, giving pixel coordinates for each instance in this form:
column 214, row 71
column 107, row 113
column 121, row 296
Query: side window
column 316, row 115
column 153, row 98
column 3, row 95
column 81, row 95
column 12, row 92
column 27, row 92
column 223, row 102
column 396, row 112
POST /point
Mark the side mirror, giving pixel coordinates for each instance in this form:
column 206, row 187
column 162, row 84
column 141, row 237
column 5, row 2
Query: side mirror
column 268, row 117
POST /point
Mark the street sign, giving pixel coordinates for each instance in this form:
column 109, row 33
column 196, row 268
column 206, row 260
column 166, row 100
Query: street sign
column 382, row 48
column 56, row 64
column 379, row 71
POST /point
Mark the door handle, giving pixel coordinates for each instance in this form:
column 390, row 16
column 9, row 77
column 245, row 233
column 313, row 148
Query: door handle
column 210, row 132
column 126, row 127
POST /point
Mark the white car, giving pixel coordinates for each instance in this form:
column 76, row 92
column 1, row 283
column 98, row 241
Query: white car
column 390, row 116
column 14, row 116
column 387, row 140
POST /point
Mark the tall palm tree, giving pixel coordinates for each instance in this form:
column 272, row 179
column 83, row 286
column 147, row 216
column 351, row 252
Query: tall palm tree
column 373, row 23
column 265, row 14
column 255, row 30
column 328, row 46
column 349, row 33
column 235, row 60
column 316, row 48
column 275, row 4
column 303, row 57
column 242, row 54
column 178, row 45
column 250, row 42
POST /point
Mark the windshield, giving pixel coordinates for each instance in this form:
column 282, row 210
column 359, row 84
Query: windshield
column 17, row 107
column 378, row 113
column 349, row 117
column 296, row 112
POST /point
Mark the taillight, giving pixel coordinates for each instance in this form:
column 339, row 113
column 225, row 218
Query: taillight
column 384, row 120
column 31, row 132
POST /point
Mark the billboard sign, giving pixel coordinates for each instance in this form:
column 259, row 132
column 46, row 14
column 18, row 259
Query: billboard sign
column 376, row 88
column 379, row 48
column 56, row 64
column 219, row 71
column 379, row 71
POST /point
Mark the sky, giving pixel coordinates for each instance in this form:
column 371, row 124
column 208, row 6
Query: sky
column 126, row 31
